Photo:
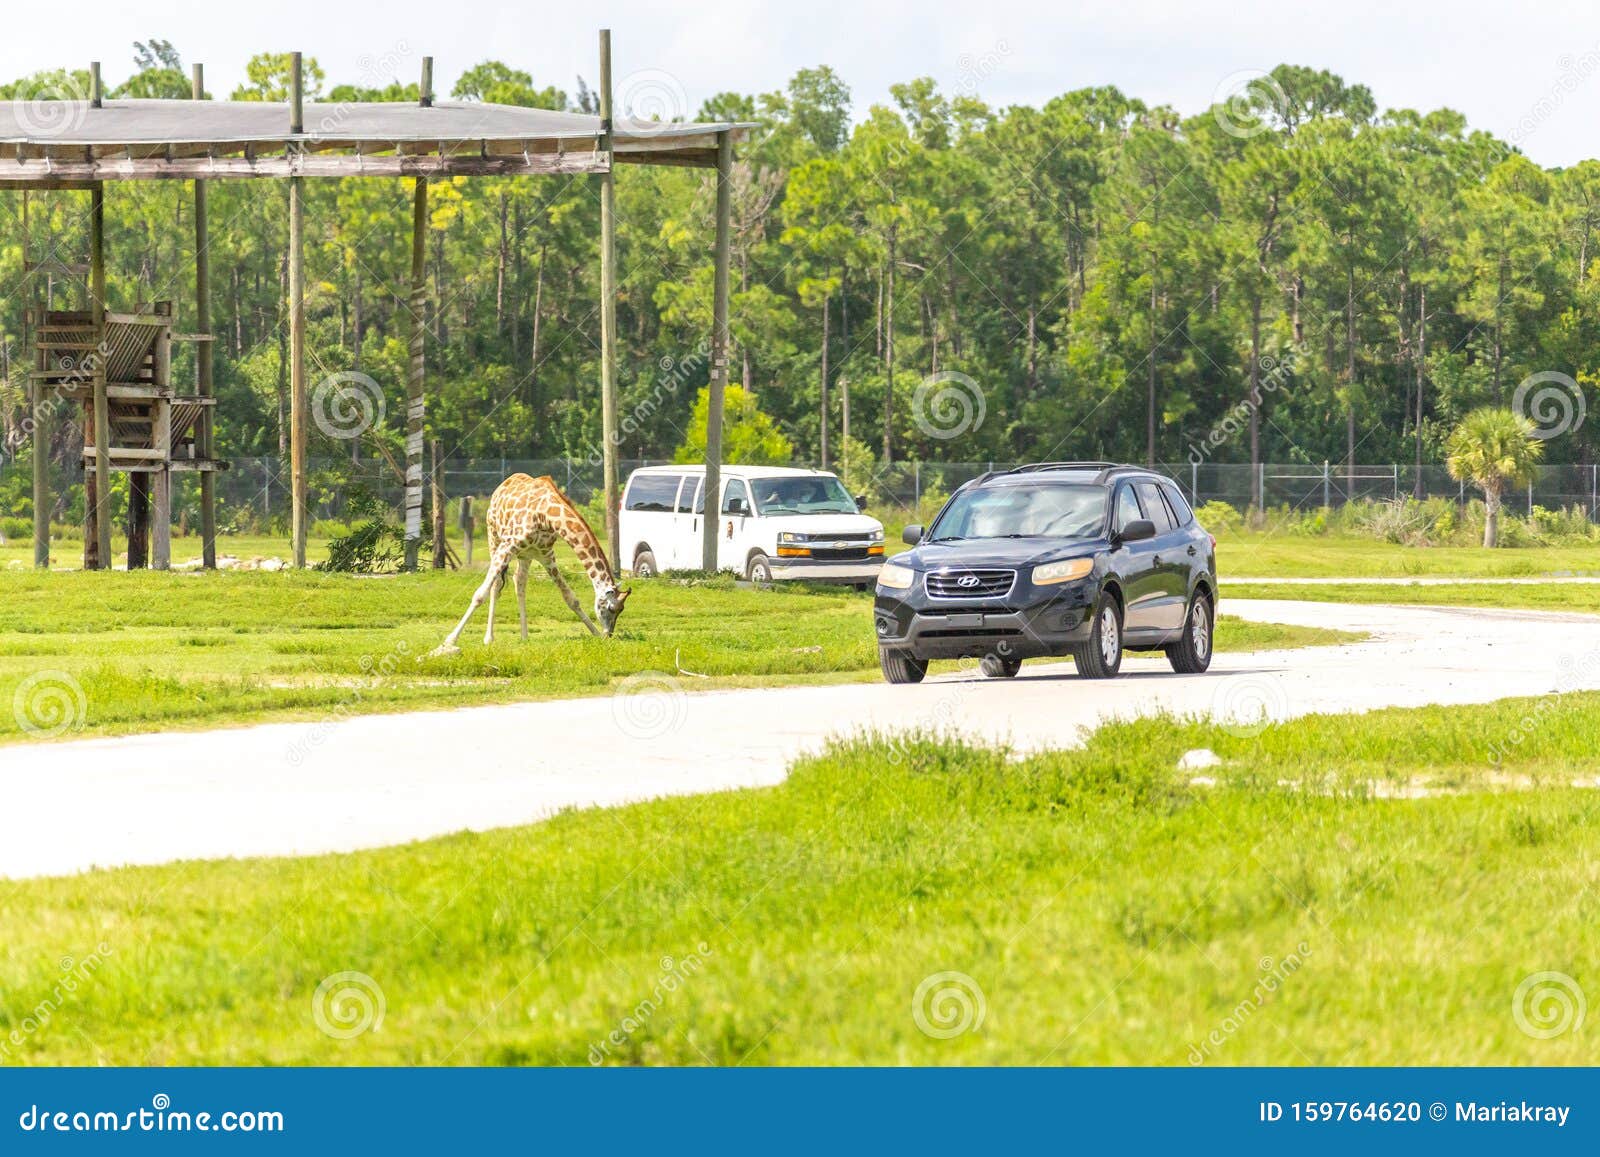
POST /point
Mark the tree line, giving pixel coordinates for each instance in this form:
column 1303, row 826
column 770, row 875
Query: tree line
column 1292, row 275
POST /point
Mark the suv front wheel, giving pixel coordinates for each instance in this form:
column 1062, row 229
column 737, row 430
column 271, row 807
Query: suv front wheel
column 1100, row 656
column 898, row 667
column 1191, row 655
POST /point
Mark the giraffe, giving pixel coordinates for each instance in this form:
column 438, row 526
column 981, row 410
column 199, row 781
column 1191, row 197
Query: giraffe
column 526, row 516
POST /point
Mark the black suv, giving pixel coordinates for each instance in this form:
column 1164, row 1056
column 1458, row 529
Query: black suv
column 1086, row 559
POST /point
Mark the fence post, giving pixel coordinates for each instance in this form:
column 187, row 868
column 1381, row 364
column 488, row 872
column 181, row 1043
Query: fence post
column 916, row 484
column 1530, row 496
column 1594, row 489
column 1394, row 468
column 1327, row 487
column 266, row 489
column 1194, row 482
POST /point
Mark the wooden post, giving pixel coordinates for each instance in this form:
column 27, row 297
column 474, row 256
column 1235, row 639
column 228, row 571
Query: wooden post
column 425, row 93
column 97, row 508
column 138, row 519
column 41, row 418
column 608, row 308
column 416, row 399
column 205, row 430
column 297, row 327
column 96, row 92
column 159, row 485
column 439, row 554
column 719, row 356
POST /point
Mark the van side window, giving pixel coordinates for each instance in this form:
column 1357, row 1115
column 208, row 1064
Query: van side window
column 1180, row 509
column 1127, row 507
column 735, row 489
column 698, row 487
column 1154, row 508
column 653, row 492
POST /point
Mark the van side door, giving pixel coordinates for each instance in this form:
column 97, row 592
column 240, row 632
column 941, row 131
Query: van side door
column 734, row 529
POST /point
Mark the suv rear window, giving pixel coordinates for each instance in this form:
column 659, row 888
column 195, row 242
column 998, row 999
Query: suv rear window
column 654, row 492
column 1154, row 508
column 1180, row 508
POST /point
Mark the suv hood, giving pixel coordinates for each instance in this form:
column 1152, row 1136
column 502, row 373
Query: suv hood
column 823, row 524
column 1003, row 552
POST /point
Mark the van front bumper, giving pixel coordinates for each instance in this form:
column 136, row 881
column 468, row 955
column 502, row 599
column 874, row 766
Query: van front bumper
column 825, row 570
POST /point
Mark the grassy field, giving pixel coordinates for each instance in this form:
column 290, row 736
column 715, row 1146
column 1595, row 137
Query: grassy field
column 1243, row 555
column 914, row 902
column 147, row 651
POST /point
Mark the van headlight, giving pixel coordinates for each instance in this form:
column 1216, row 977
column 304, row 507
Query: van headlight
column 896, row 577
column 1062, row 572
column 791, row 536
column 876, row 535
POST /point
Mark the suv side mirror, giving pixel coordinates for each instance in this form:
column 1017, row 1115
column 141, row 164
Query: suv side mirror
column 1138, row 530
column 911, row 535
column 861, row 501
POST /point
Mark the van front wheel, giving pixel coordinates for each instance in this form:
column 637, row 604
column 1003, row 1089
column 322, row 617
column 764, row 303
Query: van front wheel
column 759, row 569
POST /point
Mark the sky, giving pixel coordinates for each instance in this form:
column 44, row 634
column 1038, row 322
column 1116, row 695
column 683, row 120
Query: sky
column 1530, row 74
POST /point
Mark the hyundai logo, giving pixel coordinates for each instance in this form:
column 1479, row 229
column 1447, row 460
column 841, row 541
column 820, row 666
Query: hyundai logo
column 967, row 580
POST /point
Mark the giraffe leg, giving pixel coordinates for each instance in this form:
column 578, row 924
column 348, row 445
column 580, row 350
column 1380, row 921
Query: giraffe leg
column 522, row 595
column 549, row 561
column 497, row 566
column 494, row 591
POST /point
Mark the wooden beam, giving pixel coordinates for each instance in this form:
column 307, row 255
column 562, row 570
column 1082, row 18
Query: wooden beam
column 297, row 332
column 203, row 383
column 416, row 396
column 37, row 173
column 608, row 313
column 101, row 504
column 719, row 355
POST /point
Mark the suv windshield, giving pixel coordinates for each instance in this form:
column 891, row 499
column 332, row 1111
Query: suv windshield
column 802, row 494
column 1042, row 510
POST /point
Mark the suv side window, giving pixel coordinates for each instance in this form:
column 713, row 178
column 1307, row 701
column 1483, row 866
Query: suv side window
column 1155, row 509
column 735, row 489
column 1180, row 508
column 1127, row 507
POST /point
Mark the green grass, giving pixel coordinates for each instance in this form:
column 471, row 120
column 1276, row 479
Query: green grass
column 1109, row 912
column 1243, row 554
column 154, row 651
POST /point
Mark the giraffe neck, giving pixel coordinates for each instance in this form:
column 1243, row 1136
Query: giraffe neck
column 588, row 549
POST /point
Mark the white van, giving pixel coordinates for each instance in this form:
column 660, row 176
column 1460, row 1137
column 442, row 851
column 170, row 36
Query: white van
column 775, row 523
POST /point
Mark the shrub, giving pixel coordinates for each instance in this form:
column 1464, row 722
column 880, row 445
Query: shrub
column 1219, row 516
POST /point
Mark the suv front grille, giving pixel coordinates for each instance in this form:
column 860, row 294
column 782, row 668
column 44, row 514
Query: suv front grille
column 970, row 584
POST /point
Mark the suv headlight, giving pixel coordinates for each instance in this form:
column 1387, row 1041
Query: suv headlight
column 1062, row 572
column 791, row 536
column 896, row 577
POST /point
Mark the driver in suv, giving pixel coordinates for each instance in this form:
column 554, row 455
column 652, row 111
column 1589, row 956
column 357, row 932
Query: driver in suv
column 1086, row 559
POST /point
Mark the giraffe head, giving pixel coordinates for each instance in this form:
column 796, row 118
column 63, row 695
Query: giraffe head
column 608, row 606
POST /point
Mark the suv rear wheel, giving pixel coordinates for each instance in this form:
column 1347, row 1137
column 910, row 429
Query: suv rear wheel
column 899, row 667
column 999, row 666
column 1191, row 655
column 1100, row 656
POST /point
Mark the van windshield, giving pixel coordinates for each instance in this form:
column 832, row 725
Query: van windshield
column 1042, row 510
column 802, row 494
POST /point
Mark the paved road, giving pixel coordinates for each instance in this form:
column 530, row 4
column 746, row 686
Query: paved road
column 293, row 788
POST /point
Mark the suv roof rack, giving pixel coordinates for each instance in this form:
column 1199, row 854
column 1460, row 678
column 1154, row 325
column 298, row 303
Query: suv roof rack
column 1103, row 470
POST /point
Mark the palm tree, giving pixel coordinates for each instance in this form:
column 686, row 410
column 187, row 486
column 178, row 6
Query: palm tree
column 1493, row 449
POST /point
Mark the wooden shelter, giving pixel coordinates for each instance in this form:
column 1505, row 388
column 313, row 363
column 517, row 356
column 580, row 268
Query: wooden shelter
column 125, row 384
